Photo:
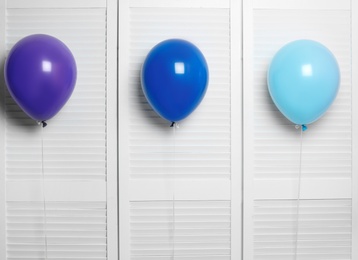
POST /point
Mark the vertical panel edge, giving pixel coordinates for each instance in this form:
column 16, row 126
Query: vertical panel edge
column 123, row 177
column 112, row 142
column 2, row 133
column 247, row 129
column 236, row 128
column 354, row 60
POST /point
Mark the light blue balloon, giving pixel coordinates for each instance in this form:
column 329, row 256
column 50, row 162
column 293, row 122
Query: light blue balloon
column 303, row 80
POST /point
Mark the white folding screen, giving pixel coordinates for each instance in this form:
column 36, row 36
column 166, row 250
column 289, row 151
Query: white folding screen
column 180, row 188
column 72, row 151
column 272, row 144
column 176, row 183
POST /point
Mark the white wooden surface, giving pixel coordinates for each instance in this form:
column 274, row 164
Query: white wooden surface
column 146, row 201
column 2, row 136
column 112, row 130
column 354, row 28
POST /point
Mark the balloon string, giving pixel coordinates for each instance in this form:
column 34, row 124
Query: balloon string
column 302, row 129
column 173, row 186
column 173, row 228
column 43, row 187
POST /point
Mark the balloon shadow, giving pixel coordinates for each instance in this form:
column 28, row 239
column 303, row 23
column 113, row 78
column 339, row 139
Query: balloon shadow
column 147, row 114
column 14, row 115
column 279, row 118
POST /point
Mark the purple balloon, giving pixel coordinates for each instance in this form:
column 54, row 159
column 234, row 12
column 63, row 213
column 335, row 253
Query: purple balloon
column 40, row 73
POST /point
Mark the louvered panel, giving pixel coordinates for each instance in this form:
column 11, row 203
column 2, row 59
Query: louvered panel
column 325, row 229
column 75, row 140
column 327, row 143
column 272, row 144
column 75, row 230
column 200, row 148
column 185, row 229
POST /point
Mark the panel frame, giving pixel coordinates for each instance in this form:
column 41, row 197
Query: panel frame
column 112, row 127
column 2, row 134
column 123, row 158
column 354, row 62
column 236, row 77
column 247, row 126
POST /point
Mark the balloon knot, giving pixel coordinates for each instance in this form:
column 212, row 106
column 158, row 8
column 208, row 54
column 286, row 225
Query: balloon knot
column 173, row 124
column 44, row 124
column 304, row 128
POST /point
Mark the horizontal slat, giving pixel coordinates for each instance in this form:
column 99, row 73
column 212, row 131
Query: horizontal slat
column 56, row 4
column 56, row 191
column 326, row 146
column 303, row 4
column 181, row 228
column 191, row 257
column 74, row 142
column 69, row 233
column 322, row 228
column 170, row 185
column 200, row 148
column 180, row 4
column 288, row 188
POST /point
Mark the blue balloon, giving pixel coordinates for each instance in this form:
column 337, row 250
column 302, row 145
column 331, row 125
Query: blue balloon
column 174, row 78
column 303, row 80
